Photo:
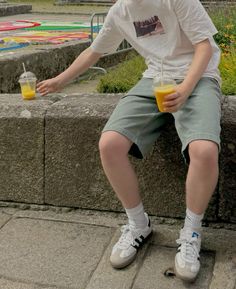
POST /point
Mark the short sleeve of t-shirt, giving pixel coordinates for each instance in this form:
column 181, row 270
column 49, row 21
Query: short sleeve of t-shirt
column 109, row 37
column 194, row 20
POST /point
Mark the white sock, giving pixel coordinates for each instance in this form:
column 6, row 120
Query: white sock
column 193, row 221
column 136, row 217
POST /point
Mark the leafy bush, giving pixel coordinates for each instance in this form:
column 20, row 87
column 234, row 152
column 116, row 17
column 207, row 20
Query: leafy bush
column 225, row 22
column 228, row 73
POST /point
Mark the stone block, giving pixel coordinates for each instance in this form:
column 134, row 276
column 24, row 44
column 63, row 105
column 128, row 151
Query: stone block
column 73, row 172
column 51, row 254
column 227, row 178
column 22, row 149
column 13, row 9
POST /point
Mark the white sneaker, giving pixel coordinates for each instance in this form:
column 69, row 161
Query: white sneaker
column 187, row 264
column 125, row 250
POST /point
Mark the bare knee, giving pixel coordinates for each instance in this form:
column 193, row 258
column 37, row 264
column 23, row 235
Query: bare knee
column 113, row 145
column 204, row 152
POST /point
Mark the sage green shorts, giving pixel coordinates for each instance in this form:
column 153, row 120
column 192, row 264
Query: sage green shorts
column 136, row 116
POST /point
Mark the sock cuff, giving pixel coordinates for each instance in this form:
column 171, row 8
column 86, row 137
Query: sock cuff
column 135, row 211
column 193, row 216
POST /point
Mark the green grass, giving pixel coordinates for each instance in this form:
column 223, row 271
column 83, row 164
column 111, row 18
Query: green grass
column 125, row 76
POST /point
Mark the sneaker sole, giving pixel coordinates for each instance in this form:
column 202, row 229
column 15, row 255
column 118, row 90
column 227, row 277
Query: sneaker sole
column 184, row 278
column 129, row 261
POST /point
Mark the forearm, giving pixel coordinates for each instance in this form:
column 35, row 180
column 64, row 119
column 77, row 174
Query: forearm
column 86, row 59
column 201, row 58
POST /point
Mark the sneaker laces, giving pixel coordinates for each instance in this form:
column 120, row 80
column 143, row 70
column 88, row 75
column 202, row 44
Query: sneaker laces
column 189, row 249
column 126, row 239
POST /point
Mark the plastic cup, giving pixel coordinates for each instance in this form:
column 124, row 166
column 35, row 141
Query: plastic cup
column 28, row 85
column 161, row 88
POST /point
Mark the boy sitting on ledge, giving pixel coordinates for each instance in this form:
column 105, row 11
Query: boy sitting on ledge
column 181, row 33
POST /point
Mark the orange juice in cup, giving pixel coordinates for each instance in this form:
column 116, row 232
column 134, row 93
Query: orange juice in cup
column 27, row 91
column 28, row 85
column 161, row 88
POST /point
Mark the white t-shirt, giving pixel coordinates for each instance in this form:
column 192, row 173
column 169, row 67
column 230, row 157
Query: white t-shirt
column 160, row 29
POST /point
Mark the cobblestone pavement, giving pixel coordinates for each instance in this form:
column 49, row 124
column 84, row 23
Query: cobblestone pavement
column 44, row 247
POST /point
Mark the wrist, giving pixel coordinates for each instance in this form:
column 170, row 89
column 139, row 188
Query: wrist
column 60, row 81
column 188, row 86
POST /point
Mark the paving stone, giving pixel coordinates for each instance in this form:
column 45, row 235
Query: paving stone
column 108, row 219
column 164, row 234
column 105, row 277
column 8, row 284
column 158, row 259
column 51, row 253
column 226, row 239
column 224, row 274
column 4, row 218
column 8, row 211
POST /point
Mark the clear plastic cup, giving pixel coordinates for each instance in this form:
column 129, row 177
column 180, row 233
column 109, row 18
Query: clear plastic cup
column 27, row 82
column 161, row 88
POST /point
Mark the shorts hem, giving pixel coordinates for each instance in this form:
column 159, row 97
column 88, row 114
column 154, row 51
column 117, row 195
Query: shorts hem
column 129, row 135
column 200, row 136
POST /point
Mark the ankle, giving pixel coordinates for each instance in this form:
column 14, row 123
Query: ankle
column 136, row 217
column 193, row 221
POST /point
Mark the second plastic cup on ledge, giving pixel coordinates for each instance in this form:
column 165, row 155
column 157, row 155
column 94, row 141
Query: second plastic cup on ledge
column 161, row 88
column 28, row 85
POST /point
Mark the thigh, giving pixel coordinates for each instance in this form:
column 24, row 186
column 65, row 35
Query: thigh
column 136, row 117
column 199, row 118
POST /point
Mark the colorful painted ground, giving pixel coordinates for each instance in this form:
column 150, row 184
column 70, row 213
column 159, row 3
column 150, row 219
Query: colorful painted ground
column 21, row 33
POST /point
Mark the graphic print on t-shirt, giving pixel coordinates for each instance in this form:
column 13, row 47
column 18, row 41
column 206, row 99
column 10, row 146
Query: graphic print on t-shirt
column 148, row 27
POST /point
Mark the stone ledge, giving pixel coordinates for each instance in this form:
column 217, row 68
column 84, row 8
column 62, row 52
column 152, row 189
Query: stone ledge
column 53, row 59
column 13, row 9
column 52, row 158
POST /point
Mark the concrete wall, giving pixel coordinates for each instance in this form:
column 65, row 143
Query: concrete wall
column 52, row 60
column 13, row 9
column 49, row 155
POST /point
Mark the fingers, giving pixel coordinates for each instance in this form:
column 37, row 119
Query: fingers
column 172, row 102
column 43, row 92
column 44, row 88
column 172, row 109
column 172, row 96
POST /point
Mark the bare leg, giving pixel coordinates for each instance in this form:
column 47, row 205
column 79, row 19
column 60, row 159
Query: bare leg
column 114, row 149
column 200, row 184
column 202, row 175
